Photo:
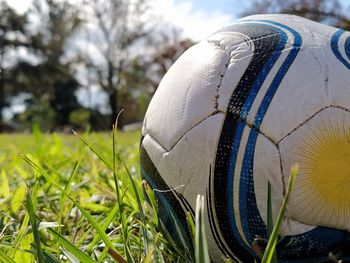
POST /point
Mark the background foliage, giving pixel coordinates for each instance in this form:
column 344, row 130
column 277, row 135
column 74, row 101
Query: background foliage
column 57, row 48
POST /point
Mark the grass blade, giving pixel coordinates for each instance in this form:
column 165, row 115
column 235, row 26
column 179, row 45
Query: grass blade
column 41, row 171
column 269, row 211
column 5, row 258
column 49, row 258
column 71, row 247
column 89, row 145
column 92, row 220
column 271, row 245
column 149, row 196
column 21, row 234
column 138, row 200
column 104, row 227
column 201, row 246
column 148, row 257
column 67, row 191
column 119, row 199
column 136, row 193
column 18, row 198
column 269, row 218
column 35, row 226
column 4, row 185
column 191, row 225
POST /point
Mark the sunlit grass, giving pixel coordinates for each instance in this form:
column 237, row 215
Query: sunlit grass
column 273, row 229
column 70, row 199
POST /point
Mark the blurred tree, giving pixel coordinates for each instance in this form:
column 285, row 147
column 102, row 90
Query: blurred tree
column 326, row 11
column 132, row 89
column 142, row 75
column 12, row 37
column 118, row 26
column 39, row 113
column 127, row 59
column 50, row 78
column 166, row 48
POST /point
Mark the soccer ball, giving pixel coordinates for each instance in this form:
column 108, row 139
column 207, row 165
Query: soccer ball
column 235, row 112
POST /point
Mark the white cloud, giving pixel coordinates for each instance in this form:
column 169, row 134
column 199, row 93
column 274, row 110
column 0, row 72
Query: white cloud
column 193, row 23
column 20, row 5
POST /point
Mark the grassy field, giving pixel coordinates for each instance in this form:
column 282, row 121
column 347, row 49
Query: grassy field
column 66, row 198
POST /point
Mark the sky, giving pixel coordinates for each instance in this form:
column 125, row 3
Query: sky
column 197, row 18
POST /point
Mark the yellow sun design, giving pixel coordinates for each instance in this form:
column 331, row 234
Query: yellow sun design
column 323, row 188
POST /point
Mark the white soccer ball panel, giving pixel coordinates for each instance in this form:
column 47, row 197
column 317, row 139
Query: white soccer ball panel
column 321, row 148
column 187, row 166
column 291, row 227
column 267, row 168
column 339, row 90
column 302, row 92
column 186, row 95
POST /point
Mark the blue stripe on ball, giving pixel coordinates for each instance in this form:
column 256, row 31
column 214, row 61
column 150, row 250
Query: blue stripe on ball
column 335, row 47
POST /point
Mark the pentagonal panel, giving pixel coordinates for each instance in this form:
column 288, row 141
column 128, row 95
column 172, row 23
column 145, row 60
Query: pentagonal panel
column 321, row 147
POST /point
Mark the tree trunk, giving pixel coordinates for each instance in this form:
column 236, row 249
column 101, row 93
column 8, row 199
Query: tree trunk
column 2, row 91
column 113, row 102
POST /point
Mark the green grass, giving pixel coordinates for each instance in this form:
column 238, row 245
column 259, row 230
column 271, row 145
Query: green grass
column 273, row 229
column 66, row 198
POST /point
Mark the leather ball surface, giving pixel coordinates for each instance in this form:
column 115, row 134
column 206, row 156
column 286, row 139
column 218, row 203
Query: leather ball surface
column 235, row 112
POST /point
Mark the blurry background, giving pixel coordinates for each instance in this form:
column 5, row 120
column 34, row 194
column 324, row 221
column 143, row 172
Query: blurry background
column 74, row 64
